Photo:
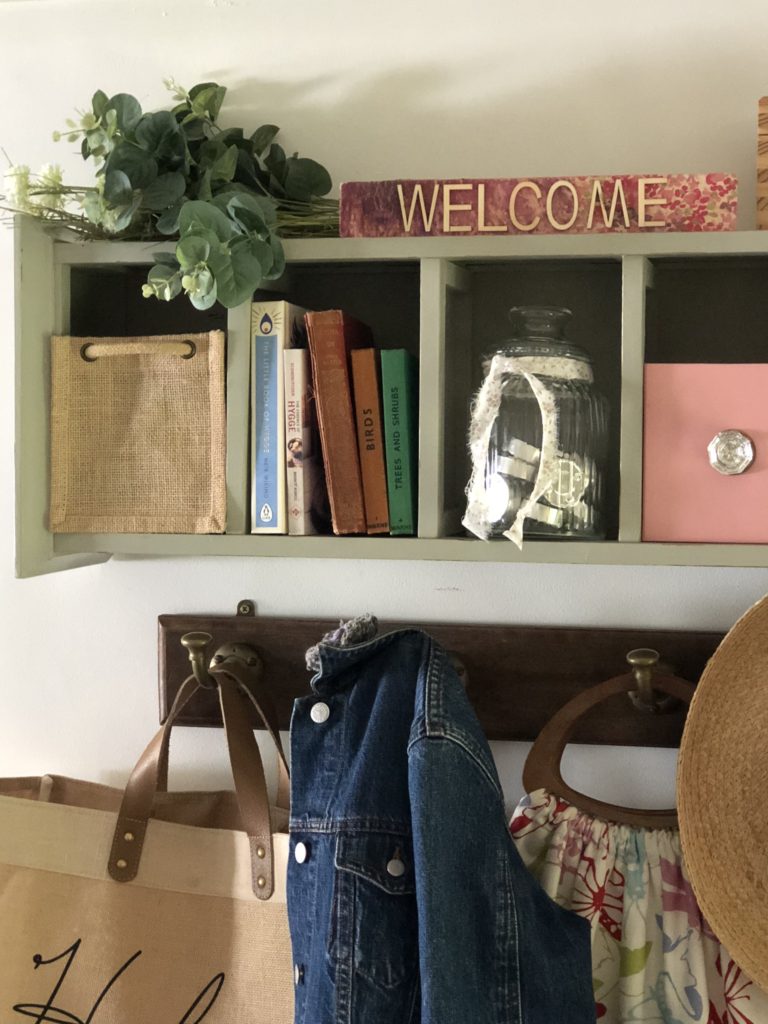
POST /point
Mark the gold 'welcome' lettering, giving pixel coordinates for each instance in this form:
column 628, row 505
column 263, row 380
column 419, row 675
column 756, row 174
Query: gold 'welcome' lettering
column 597, row 196
column 418, row 197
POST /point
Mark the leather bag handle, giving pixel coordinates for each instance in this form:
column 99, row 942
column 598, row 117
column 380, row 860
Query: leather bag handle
column 248, row 679
column 542, row 766
column 250, row 786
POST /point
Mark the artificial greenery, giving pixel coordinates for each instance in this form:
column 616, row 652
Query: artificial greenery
column 227, row 197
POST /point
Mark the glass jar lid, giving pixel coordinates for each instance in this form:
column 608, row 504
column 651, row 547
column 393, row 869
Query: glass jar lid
column 541, row 331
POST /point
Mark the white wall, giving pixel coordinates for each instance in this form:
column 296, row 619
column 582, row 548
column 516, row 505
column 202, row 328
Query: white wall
column 374, row 91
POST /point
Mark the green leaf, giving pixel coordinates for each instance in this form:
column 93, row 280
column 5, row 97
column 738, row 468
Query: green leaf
column 207, row 98
column 235, row 136
column 224, row 167
column 168, row 221
column 237, row 275
column 634, row 960
column 125, row 214
column 275, row 161
column 193, row 128
column 275, row 186
column 205, row 301
column 251, row 214
column 209, row 152
column 204, row 186
column 248, row 172
column 117, row 188
column 262, row 251
column 99, row 103
column 160, row 135
column 128, row 112
column 197, row 214
column 140, row 167
column 278, row 258
column 263, row 137
column 165, row 191
column 192, row 250
column 305, row 178
column 92, row 207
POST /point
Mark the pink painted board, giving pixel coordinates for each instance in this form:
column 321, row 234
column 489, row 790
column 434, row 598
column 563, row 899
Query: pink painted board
column 684, row 498
column 496, row 207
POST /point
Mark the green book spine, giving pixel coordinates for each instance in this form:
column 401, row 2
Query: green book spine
column 399, row 388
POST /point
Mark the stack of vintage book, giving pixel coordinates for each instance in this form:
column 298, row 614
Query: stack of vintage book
column 333, row 426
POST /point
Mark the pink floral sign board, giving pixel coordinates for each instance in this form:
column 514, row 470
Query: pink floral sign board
column 512, row 206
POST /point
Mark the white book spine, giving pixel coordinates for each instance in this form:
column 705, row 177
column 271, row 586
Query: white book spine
column 300, row 444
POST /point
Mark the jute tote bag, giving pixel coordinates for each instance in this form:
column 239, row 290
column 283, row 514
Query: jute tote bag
column 138, row 434
column 144, row 907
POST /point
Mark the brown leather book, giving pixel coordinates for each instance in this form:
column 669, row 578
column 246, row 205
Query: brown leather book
column 332, row 335
column 370, row 438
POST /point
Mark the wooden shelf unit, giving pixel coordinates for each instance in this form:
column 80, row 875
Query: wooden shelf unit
column 444, row 298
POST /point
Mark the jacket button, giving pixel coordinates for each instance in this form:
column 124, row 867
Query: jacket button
column 300, row 852
column 320, row 713
column 395, row 867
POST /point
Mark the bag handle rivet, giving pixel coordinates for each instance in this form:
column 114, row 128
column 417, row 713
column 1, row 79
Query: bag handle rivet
column 122, row 864
column 129, row 837
column 261, row 852
column 261, row 881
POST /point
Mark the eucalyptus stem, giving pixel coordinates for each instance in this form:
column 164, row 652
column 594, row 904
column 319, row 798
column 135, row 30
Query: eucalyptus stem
column 222, row 198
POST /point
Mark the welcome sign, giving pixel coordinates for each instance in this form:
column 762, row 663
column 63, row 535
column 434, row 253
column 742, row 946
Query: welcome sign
column 512, row 206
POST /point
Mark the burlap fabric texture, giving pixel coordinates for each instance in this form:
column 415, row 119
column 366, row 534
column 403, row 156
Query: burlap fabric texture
column 191, row 934
column 138, row 434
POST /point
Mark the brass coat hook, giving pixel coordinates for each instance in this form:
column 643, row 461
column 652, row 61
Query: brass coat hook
column 196, row 645
column 644, row 662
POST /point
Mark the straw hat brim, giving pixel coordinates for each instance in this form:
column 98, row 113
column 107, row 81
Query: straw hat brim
column 722, row 793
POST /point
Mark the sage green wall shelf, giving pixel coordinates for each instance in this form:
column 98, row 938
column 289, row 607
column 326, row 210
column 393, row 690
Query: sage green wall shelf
column 443, row 298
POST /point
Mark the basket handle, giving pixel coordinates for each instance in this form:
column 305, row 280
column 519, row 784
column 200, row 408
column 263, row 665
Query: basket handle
column 93, row 350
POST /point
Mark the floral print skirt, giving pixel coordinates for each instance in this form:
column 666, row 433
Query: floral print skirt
column 653, row 956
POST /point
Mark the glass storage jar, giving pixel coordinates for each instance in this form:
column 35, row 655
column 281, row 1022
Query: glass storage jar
column 547, row 399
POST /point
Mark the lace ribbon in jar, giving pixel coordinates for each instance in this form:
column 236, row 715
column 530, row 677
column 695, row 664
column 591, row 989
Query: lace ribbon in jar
column 485, row 409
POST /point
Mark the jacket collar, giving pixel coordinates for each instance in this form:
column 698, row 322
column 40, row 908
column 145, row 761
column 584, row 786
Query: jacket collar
column 336, row 661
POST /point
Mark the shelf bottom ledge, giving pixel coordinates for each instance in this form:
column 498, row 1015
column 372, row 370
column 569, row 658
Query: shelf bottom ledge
column 449, row 549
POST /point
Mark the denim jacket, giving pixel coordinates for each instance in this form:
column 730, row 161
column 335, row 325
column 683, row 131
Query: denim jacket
column 407, row 900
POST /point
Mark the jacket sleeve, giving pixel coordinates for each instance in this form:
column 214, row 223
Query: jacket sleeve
column 493, row 947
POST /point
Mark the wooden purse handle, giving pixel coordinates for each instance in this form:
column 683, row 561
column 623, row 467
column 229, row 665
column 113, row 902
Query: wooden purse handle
column 542, row 766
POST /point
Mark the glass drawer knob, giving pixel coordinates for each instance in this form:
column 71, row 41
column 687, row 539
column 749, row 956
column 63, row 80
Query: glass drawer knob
column 731, row 452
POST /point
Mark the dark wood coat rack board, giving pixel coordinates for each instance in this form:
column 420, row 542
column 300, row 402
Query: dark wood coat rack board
column 517, row 676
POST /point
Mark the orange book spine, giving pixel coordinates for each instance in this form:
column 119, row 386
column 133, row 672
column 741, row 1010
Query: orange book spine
column 370, row 438
column 332, row 334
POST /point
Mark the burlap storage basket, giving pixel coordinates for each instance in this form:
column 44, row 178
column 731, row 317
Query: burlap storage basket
column 138, row 434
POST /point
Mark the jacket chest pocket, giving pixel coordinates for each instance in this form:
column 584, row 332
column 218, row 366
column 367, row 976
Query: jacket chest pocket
column 374, row 926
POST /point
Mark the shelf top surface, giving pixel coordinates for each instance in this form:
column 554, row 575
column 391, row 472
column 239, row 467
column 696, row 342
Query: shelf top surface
column 602, row 246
